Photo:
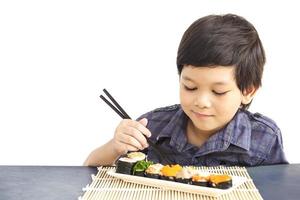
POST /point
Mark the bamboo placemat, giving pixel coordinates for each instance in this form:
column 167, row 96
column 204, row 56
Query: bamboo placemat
column 106, row 187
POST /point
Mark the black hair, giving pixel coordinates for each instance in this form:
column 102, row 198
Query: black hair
column 224, row 40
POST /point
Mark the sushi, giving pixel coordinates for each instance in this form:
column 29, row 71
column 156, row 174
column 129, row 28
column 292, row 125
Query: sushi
column 169, row 172
column 153, row 171
column 184, row 175
column 138, row 156
column 220, row 181
column 135, row 163
column 140, row 167
column 200, row 180
column 125, row 164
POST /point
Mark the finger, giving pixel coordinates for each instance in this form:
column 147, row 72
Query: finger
column 131, row 148
column 124, row 148
column 140, row 127
column 129, row 140
column 133, row 132
column 144, row 121
column 134, row 129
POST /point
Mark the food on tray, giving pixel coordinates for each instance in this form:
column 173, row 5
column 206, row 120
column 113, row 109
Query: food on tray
column 169, row 172
column 140, row 167
column 136, row 163
column 138, row 156
column 153, row 171
column 220, row 181
column 185, row 175
column 200, row 180
column 125, row 164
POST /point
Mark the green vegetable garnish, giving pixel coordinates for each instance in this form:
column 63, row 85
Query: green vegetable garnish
column 141, row 166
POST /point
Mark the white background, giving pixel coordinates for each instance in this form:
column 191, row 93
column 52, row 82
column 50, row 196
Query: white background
column 56, row 56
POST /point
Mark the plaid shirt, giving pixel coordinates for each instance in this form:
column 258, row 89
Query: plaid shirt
column 247, row 140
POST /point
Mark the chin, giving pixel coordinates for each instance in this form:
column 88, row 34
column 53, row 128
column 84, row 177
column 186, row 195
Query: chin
column 203, row 127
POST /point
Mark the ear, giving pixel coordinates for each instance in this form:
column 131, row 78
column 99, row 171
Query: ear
column 248, row 95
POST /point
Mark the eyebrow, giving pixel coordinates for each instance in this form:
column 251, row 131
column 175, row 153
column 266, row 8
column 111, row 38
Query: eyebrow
column 215, row 83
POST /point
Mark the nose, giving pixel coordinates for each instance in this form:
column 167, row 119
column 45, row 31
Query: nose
column 202, row 101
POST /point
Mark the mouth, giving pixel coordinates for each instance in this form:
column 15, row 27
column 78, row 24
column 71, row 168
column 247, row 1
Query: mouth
column 201, row 115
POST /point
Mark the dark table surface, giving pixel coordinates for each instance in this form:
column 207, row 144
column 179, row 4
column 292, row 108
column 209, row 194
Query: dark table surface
column 43, row 182
column 277, row 181
column 55, row 182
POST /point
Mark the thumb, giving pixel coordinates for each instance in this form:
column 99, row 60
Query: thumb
column 144, row 121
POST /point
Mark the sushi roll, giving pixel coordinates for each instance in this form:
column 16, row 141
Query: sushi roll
column 138, row 156
column 184, row 175
column 125, row 165
column 220, row 181
column 153, row 171
column 169, row 172
column 200, row 180
column 140, row 167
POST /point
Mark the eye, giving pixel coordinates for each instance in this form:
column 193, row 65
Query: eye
column 219, row 93
column 189, row 89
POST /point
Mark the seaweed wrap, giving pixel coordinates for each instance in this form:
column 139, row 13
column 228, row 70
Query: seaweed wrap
column 220, row 181
column 125, row 165
column 153, row 171
column 200, row 180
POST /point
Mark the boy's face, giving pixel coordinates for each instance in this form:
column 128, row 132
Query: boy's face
column 210, row 97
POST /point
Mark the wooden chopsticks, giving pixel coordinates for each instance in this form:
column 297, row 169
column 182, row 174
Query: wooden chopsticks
column 121, row 112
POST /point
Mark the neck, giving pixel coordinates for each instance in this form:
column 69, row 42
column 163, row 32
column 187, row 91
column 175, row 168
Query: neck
column 195, row 136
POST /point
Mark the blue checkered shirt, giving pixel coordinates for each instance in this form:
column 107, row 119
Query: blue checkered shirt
column 247, row 140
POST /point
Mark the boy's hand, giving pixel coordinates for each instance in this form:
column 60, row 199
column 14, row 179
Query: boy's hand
column 130, row 136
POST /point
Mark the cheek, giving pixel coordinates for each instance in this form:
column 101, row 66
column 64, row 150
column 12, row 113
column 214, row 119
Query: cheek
column 229, row 104
column 185, row 98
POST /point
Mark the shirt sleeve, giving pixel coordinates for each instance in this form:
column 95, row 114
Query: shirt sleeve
column 276, row 154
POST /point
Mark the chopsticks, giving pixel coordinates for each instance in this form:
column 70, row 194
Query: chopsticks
column 121, row 112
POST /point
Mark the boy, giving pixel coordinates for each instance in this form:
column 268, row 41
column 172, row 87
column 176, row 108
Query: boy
column 220, row 63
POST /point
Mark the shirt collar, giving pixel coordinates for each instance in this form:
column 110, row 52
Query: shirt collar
column 176, row 130
column 240, row 129
column 236, row 132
